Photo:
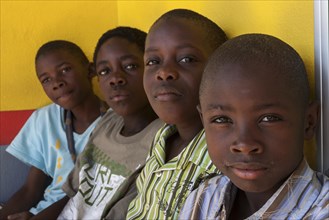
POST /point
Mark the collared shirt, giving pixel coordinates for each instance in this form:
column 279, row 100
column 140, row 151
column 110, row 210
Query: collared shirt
column 163, row 187
column 304, row 195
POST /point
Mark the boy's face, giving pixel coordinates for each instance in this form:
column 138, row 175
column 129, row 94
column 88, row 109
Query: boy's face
column 255, row 127
column 119, row 67
column 64, row 78
column 175, row 56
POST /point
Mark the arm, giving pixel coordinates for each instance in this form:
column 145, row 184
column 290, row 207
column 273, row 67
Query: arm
column 70, row 187
column 28, row 195
column 53, row 211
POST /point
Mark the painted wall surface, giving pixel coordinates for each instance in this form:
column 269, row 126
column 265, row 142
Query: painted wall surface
column 292, row 21
column 25, row 25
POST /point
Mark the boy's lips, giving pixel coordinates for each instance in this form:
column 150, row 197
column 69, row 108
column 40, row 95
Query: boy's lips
column 64, row 95
column 165, row 94
column 248, row 171
column 118, row 97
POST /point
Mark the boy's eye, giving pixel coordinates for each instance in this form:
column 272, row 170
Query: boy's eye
column 131, row 67
column 151, row 62
column 45, row 80
column 222, row 120
column 104, row 72
column 186, row 60
column 66, row 69
column 270, row 118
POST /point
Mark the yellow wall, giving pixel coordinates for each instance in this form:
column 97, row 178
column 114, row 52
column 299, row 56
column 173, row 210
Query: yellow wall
column 292, row 20
column 25, row 25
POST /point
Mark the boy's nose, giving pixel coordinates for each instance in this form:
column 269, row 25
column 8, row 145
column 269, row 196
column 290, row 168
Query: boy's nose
column 117, row 78
column 246, row 142
column 58, row 83
column 167, row 73
column 246, row 148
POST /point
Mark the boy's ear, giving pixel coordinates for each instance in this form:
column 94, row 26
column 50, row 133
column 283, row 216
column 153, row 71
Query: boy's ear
column 91, row 70
column 311, row 119
column 198, row 107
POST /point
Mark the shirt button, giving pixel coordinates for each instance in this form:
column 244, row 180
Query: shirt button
column 147, row 206
column 158, row 174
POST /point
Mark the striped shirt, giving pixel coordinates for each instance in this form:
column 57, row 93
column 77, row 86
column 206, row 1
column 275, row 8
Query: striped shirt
column 304, row 195
column 164, row 187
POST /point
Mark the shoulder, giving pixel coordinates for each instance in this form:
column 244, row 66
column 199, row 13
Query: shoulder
column 48, row 111
column 320, row 206
column 210, row 186
column 109, row 119
column 323, row 184
column 153, row 128
column 49, row 108
column 213, row 183
column 156, row 124
column 49, row 114
column 204, row 200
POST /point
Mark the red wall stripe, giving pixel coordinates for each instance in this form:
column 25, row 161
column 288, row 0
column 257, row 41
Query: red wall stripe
column 10, row 124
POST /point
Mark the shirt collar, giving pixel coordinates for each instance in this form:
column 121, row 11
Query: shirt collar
column 285, row 199
column 287, row 196
column 194, row 152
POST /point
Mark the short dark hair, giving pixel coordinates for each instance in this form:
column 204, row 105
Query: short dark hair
column 261, row 48
column 132, row 35
column 62, row 45
column 214, row 34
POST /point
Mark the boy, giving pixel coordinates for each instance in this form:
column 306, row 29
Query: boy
column 177, row 48
column 54, row 134
column 121, row 140
column 255, row 125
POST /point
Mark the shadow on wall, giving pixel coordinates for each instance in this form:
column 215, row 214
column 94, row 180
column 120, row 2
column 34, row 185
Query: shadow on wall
column 13, row 173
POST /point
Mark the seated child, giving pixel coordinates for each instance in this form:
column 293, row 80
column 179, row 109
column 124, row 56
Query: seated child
column 54, row 134
column 255, row 126
column 121, row 140
column 177, row 48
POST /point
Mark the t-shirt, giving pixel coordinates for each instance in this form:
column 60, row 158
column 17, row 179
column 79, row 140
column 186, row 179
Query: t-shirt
column 106, row 161
column 164, row 186
column 42, row 143
column 304, row 195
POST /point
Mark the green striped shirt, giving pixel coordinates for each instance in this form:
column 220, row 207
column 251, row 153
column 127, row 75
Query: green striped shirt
column 163, row 187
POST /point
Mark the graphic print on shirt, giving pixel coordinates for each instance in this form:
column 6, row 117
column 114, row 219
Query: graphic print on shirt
column 97, row 183
column 59, row 162
column 58, row 144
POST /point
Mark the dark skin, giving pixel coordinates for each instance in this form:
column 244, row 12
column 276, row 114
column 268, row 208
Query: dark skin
column 255, row 128
column 173, row 71
column 67, row 82
column 245, row 204
column 119, row 67
column 53, row 211
column 28, row 193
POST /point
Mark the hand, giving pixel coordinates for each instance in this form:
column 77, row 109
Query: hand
column 20, row 216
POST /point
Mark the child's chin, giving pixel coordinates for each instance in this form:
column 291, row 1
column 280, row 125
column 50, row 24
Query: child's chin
column 253, row 186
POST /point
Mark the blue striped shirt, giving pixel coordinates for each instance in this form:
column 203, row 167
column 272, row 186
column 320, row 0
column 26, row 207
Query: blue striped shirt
column 304, row 195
